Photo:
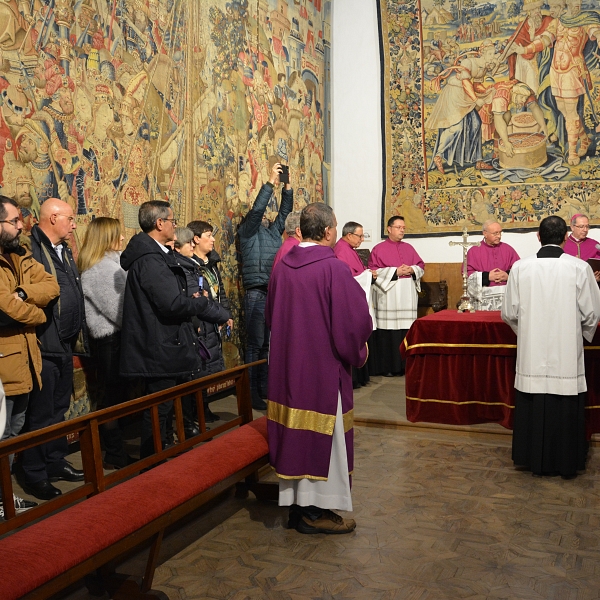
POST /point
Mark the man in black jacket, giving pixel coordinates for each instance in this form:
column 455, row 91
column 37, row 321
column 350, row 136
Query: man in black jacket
column 59, row 336
column 158, row 341
column 259, row 241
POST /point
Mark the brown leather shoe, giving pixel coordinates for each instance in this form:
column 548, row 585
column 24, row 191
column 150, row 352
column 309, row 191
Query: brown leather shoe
column 328, row 522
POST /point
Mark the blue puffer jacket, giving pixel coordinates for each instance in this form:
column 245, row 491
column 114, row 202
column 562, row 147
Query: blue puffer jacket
column 259, row 244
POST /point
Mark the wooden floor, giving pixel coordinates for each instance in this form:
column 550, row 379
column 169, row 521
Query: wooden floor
column 441, row 514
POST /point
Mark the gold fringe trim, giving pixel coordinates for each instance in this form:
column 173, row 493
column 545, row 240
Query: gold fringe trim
column 366, row 359
column 437, row 345
column 313, row 477
column 459, row 403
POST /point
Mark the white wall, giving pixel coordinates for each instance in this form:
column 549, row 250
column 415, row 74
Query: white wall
column 356, row 133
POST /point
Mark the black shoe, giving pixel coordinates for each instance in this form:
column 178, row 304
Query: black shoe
column 191, row 431
column 258, row 404
column 114, row 464
column 42, row 490
column 65, row 472
column 209, row 416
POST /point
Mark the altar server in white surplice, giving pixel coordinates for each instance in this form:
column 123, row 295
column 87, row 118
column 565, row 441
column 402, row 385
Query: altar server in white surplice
column 552, row 302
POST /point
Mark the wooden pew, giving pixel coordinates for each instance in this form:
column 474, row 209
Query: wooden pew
column 108, row 515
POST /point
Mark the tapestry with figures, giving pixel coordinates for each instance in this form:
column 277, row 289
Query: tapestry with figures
column 109, row 103
column 497, row 105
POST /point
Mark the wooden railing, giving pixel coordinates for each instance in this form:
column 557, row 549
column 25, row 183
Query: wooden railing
column 87, row 427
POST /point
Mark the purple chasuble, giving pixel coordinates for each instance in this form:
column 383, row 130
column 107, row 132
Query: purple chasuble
column 486, row 258
column 582, row 249
column 394, row 254
column 345, row 252
column 289, row 243
column 320, row 324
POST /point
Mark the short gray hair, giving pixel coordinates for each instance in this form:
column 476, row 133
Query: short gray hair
column 350, row 227
column 314, row 219
column 183, row 235
column 488, row 223
column 150, row 212
column 292, row 221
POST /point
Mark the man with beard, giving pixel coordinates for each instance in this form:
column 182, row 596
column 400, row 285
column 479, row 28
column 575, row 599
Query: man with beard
column 16, row 184
column 25, row 289
column 524, row 67
column 570, row 78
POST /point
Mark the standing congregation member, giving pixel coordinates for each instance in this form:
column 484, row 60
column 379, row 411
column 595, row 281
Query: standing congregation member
column 552, row 302
column 488, row 266
column 320, row 323
column 103, row 282
column 259, row 241
column 345, row 249
column 293, row 233
column 25, row 290
column 63, row 333
column 208, row 260
column 159, row 343
column 184, row 247
column 399, row 271
column 579, row 244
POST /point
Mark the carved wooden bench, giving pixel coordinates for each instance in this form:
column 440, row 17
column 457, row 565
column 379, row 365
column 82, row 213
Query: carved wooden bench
column 102, row 520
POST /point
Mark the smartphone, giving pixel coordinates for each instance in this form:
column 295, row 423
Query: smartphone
column 201, row 283
column 284, row 176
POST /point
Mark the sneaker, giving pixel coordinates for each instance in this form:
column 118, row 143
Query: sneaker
column 329, row 522
column 21, row 505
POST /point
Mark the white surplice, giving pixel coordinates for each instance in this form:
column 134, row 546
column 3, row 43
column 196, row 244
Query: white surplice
column 395, row 302
column 551, row 304
column 334, row 492
column 364, row 280
column 482, row 297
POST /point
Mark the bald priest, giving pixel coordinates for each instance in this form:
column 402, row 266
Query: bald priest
column 488, row 266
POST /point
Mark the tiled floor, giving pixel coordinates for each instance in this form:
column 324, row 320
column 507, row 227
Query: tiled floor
column 441, row 515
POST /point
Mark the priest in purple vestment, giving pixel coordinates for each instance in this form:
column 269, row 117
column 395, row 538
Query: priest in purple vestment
column 320, row 323
column 492, row 258
column 345, row 250
column 294, row 236
column 399, row 272
column 346, row 246
column 579, row 244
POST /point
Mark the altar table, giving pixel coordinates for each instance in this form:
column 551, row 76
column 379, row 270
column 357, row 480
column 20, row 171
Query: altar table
column 460, row 370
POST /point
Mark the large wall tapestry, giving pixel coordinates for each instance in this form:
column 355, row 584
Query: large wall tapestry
column 490, row 111
column 110, row 103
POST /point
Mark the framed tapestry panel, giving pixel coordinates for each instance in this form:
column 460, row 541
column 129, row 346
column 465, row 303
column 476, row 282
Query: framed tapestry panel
column 489, row 111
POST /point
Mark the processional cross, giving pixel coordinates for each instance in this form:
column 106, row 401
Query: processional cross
column 465, row 301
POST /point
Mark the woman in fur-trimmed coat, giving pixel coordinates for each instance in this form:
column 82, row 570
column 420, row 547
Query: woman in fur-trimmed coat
column 103, row 282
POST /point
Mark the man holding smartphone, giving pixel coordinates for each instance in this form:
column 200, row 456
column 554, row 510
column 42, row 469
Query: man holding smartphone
column 259, row 241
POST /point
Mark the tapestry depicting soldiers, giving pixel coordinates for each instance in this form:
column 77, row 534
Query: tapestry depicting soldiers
column 501, row 99
column 109, row 103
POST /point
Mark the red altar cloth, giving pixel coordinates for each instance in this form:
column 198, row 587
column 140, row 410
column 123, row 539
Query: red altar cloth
column 460, row 370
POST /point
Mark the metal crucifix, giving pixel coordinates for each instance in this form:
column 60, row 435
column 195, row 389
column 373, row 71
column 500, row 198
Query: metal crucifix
column 465, row 301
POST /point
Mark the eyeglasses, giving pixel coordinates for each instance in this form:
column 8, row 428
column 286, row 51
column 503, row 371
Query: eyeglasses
column 362, row 237
column 174, row 221
column 582, row 226
column 494, row 233
column 13, row 222
column 68, row 217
